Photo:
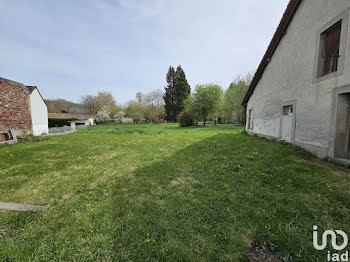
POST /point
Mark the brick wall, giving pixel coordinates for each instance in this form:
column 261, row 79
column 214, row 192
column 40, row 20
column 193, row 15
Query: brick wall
column 14, row 107
column 2, row 137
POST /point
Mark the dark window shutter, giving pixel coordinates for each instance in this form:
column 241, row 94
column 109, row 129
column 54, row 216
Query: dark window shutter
column 331, row 49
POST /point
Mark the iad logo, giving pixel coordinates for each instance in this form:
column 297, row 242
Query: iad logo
column 333, row 235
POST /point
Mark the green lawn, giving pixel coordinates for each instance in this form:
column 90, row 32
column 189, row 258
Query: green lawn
column 164, row 193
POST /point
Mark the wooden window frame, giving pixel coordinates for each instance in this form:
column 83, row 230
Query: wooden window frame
column 318, row 66
column 329, row 60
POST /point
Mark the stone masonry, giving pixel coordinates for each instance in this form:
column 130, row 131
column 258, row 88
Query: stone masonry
column 14, row 107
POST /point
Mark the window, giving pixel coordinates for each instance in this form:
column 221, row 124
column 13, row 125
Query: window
column 330, row 47
column 288, row 110
column 250, row 119
column 330, row 51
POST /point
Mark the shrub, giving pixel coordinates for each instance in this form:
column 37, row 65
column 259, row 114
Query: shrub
column 135, row 111
column 55, row 122
column 220, row 120
column 102, row 116
column 187, row 119
column 119, row 117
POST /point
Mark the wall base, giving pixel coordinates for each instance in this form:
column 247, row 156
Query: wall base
column 40, row 129
column 319, row 151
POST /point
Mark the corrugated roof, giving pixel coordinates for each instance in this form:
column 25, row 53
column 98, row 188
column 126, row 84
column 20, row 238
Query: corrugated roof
column 280, row 32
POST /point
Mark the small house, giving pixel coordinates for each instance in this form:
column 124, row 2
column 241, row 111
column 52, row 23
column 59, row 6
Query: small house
column 22, row 108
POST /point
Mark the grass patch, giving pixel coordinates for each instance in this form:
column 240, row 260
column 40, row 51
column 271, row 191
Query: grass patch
column 164, row 193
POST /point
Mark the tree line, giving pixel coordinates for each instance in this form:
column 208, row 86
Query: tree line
column 60, row 105
column 145, row 108
column 207, row 102
column 90, row 104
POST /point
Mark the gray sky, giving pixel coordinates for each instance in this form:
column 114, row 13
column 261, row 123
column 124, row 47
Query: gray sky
column 69, row 48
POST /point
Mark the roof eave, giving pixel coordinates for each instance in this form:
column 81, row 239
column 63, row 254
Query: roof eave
column 281, row 30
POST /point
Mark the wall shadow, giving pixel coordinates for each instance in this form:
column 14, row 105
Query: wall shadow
column 211, row 200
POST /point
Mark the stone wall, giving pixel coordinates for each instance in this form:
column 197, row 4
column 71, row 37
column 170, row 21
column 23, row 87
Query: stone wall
column 14, row 107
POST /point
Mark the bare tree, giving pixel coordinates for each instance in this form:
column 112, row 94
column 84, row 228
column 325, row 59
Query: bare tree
column 105, row 99
column 155, row 98
column 102, row 100
column 89, row 102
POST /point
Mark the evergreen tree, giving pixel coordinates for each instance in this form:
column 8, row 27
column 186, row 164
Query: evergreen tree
column 169, row 97
column 176, row 92
column 182, row 90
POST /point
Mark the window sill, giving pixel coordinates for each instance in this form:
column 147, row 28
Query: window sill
column 331, row 75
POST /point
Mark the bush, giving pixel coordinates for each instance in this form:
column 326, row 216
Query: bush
column 187, row 119
column 55, row 122
column 135, row 111
column 102, row 116
column 220, row 120
column 119, row 117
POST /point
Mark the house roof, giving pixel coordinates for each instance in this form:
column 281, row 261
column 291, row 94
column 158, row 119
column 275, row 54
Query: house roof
column 276, row 39
column 69, row 116
column 13, row 83
column 30, row 89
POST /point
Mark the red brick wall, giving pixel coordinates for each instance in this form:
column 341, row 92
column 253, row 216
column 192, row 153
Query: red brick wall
column 14, row 107
column 2, row 137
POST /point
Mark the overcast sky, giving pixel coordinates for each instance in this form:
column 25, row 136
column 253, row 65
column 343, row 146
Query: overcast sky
column 69, row 48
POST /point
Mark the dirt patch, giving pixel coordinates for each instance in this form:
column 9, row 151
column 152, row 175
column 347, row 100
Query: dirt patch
column 260, row 253
column 332, row 166
column 3, row 234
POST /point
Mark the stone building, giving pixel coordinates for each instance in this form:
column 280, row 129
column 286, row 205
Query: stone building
column 22, row 108
column 301, row 91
